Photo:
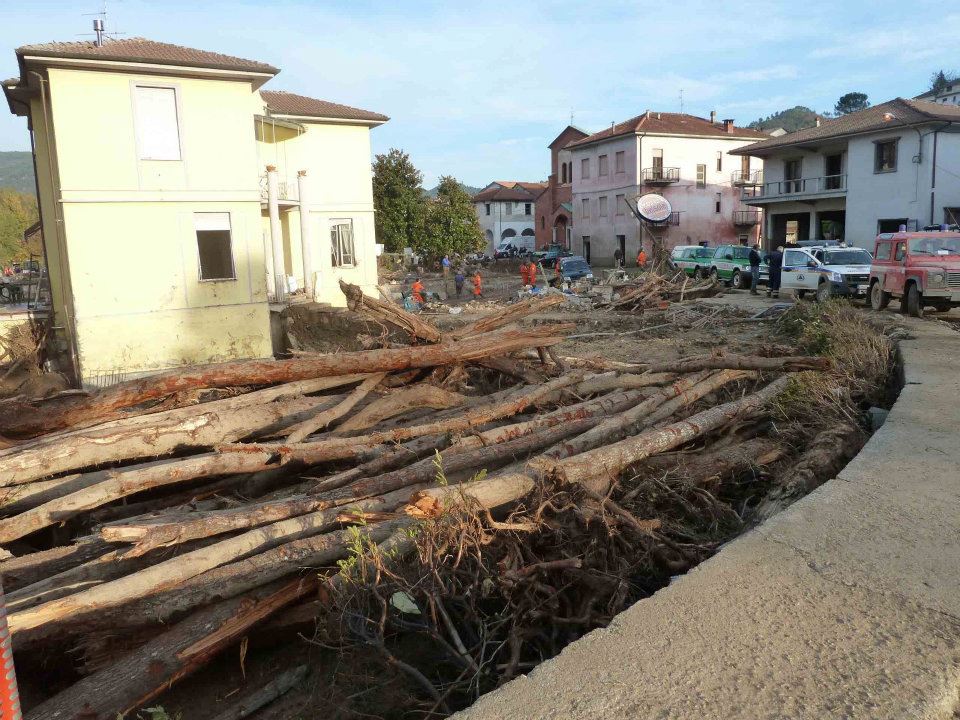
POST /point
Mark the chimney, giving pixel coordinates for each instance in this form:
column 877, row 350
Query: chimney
column 818, row 121
column 728, row 125
column 713, row 117
column 658, row 116
column 98, row 31
column 647, row 114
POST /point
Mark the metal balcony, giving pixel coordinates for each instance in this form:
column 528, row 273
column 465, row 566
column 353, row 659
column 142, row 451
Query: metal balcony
column 287, row 191
column 660, row 175
column 746, row 218
column 674, row 219
column 823, row 186
column 749, row 178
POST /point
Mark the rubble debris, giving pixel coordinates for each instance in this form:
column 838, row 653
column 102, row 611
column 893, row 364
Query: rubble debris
column 214, row 509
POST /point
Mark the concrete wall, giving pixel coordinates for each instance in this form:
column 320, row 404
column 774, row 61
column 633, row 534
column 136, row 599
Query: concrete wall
column 128, row 238
column 500, row 220
column 337, row 160
column 699, row 221
column 907, row 193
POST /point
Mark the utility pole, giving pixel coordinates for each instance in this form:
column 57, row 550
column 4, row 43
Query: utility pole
column 681, row 101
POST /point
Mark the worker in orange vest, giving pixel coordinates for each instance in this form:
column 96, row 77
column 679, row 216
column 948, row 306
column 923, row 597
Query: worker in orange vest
column 417, row 290
column 532, row 274
column 642, row 259
column 477, row 285
column 525, row 273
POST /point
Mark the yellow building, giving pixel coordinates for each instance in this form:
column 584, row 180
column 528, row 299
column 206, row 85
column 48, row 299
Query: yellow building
column 179, row 201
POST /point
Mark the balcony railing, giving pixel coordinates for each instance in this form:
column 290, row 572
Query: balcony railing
column 674, row 219
column 660, row 175
column 286, row 190
column 747, row 178
column 799, row 186
column 746, row 217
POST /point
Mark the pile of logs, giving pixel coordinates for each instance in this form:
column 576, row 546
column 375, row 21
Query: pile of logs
column 652, row 290
column 165, row 517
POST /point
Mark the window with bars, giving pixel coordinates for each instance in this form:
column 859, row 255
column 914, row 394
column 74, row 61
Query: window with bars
column 342, row 253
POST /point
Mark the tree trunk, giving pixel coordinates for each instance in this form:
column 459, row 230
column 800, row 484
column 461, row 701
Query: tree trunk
column 606, row 463
column 299, row 431
column 390, row 312
column 713, row 466
column 127, row 481
column 19, row 572
column 265, row 695
column 174, row 430
column 36, row 623
column 146, row 672
column 28, row 419
column 507, row 316
column 422, row 395
column 741, row 362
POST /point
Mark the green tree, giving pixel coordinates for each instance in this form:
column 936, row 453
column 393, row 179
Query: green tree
column 851, row 102
column 398, row 200
column 452, row 225
column 18, row 211
column 940, row 79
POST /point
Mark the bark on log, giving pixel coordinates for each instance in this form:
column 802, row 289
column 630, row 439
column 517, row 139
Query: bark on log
column 507, row 316
column 741, row 362
column 35, row 623
column 328, row 415
column 706, row 468
column 390, row 312
column 199, row 427
column 312, row 453
column 265, row 695
column 35, row 418
column 19, row 572
column 384, row 459
column 144, row 673
column 422, row 395
column 128, row 481
column 605, row 463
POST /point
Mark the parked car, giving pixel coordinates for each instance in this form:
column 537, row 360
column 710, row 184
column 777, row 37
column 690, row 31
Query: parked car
column 731, row 263
column 921, row 269
column 826, row 270
column 575, row 267
column 692, row 259
column 548, row 257
column 506, row 250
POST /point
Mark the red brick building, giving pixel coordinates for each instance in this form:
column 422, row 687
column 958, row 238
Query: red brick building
column 554, row 212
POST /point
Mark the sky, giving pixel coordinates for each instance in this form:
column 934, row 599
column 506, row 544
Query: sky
column 478, row 90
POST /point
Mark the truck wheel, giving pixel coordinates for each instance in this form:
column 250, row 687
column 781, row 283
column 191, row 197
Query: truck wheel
column 714, row 275
column 801, row 294
column 737, row 280
column 878, row 298
column 824, row 292
column 912, row 303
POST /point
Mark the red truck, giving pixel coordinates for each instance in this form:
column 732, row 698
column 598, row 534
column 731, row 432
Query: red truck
column 921, row 269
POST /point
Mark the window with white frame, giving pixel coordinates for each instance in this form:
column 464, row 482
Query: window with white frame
column 214, row 246
column 157, row 123
column 342, row 252
column 618, row 161
column 585, row 208
column 603, row 169
column 621, row 201
column 585, row 169
column 603, row 206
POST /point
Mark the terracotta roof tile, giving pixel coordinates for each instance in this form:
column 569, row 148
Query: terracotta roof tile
column 141, row 50
column 511, row 190
column 286, row 103
column 668, row 124
column 894, row 113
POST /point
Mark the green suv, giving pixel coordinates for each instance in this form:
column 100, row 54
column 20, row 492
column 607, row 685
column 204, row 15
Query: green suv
column 731, row 263
column 694, row 260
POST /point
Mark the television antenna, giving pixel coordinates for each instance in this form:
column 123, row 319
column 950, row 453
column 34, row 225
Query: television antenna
column 100, row 25
column 681, row 101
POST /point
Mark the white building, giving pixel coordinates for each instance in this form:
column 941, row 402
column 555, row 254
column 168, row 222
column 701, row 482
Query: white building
column 949, row 95
column 871, row 171
column 682, row 157
column 506, row 209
